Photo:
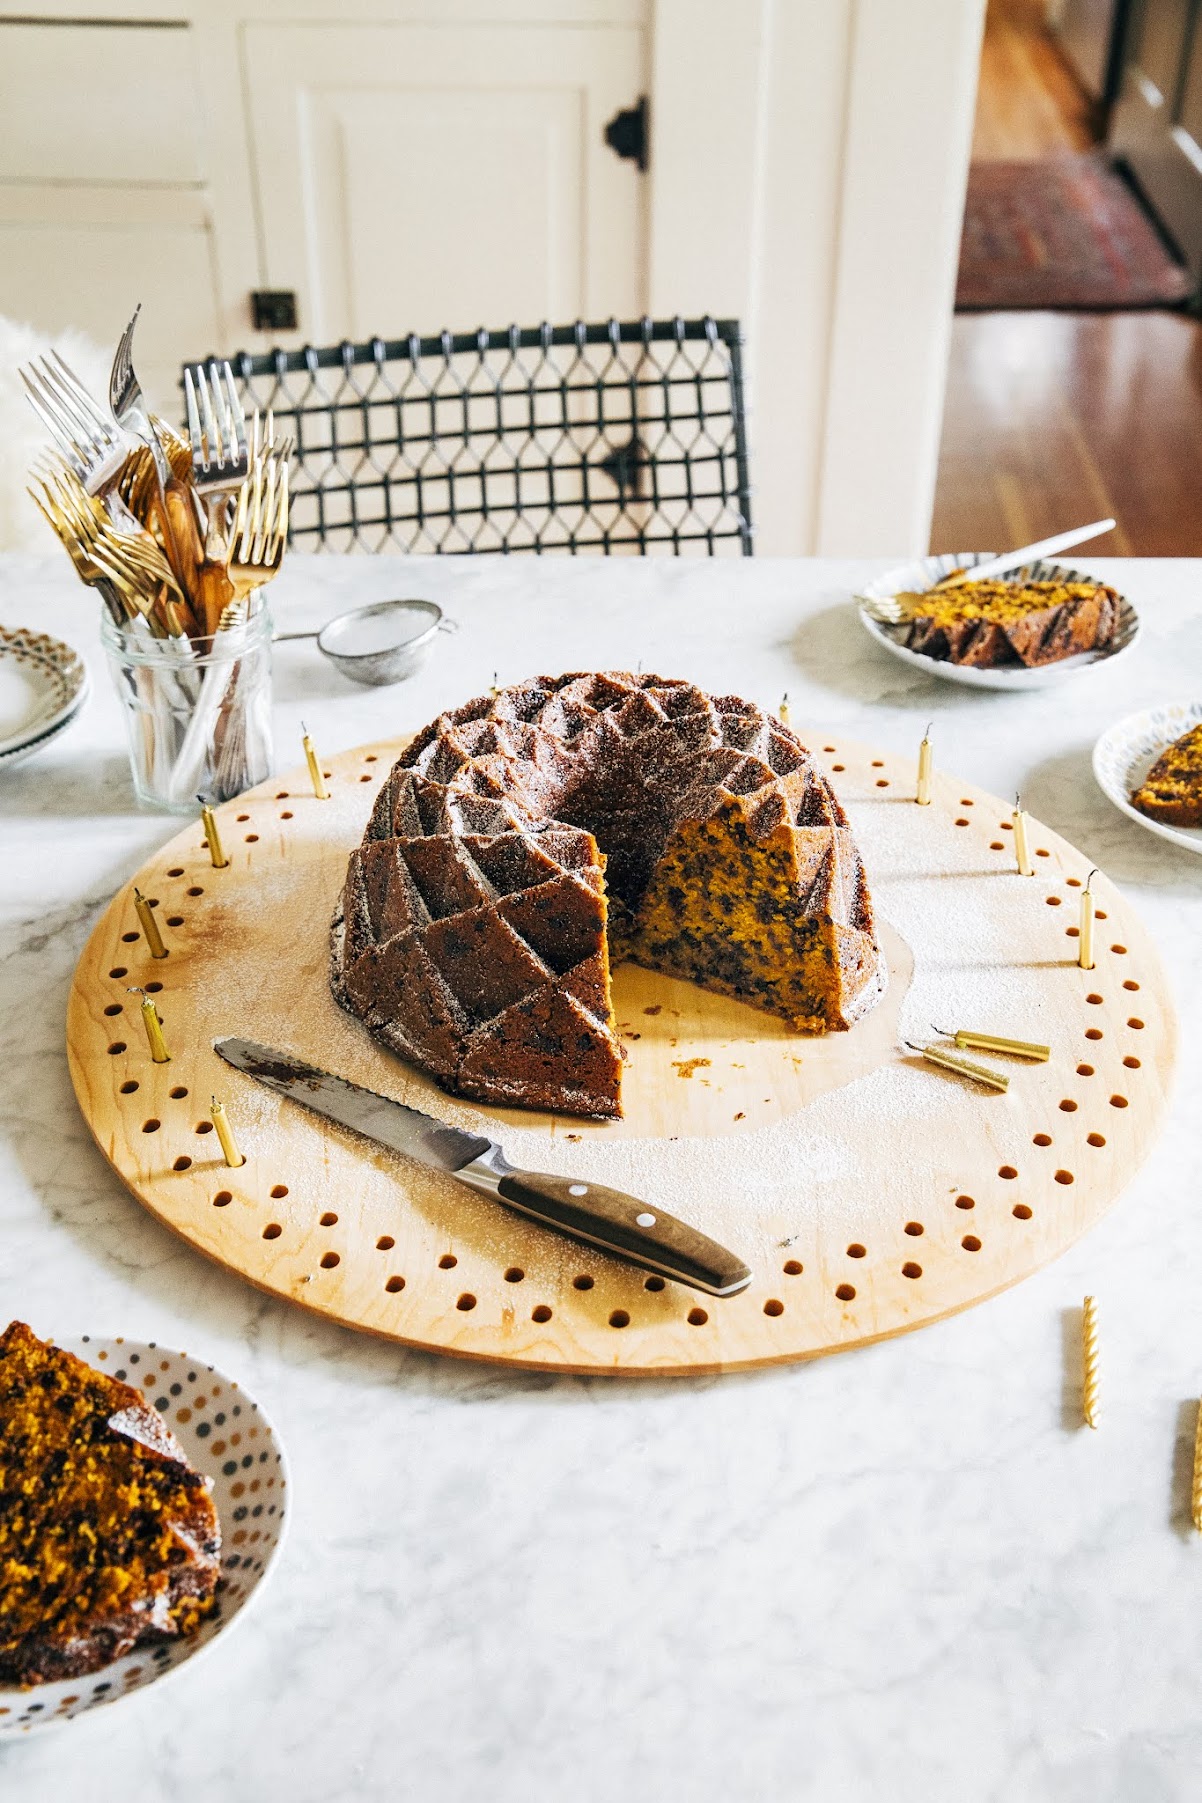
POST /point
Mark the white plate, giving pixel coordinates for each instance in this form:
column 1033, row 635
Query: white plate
column 1126, row 752
column 225, row 1435
column 925, row 572
column 43, row 683
column 31, row 747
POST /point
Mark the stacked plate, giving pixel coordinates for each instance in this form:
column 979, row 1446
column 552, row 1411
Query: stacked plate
column 43, row 686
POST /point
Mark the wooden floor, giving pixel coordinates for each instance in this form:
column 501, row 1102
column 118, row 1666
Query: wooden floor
column 1053, row 419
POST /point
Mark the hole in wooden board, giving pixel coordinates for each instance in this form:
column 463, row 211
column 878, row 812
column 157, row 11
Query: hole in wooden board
column 1085, row 1070
column 119, row 971
column 773, row 1306
column 1101, row 914
column 1064, row 1177
column 996, row 845
column 371, row 758
column 463, row 1303
column 966, row 801
column 1095, row 1001
column 829, row 748
column 971, row 1243
column 367, row 779
column 1041, row 1139
column 1095, row 1139
column 178, row 1093
column 619, row 1317
column 514, row 1274
column 1118, row 1101
column 394, row 1285
column 583, row 1282
column 128, row 1087
column 878, row 763
column 328, row 1219
column 279, row 1190
column 447, row 1262
column 1006, row 826
column 113, row 1008
column 845, row 1292
column 910, row 1269
column 1131, row 1063
column 1007, row 1171
column 194, row 890
column 252, row 838
column 960, row 822
column 697, row 1317
column 1072, row 932
column 654, row 1283
column 385, row 1243
column 1021, row 1212
column 833, row 767
column 175, row 920
column 287, row 814
column 272, row 1231
column 118, row 1045
column 223, row 1198
column 882, row 782
column 792, row 1268
column 1094, row 1033
column 129, row 938
column 541, row 1313
column 204, row 1126
column 1130, row 984
column 855, row 1250
column 151, row 1126
column 1074, row 882
column 965, row 1202
column 182, row 1163
column 1136, row 1023
column 1041, row 851
column 329, row 1260
column 281, row 795
column 153, row 988
column 915, row 1229
column 176, row 870
column 1053, row 901
column 1068, row 1106
column 243, row 817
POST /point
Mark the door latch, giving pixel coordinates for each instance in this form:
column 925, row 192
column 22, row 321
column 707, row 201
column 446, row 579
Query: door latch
column 627, row 133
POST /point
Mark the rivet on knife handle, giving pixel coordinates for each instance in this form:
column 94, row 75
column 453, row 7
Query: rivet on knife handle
column 623, row 1224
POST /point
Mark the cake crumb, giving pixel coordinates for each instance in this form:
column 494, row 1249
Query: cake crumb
column 686, row 1066
column 658, row 1009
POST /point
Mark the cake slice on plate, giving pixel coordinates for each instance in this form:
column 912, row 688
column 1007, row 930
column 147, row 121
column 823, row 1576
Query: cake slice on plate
column 1172, row 790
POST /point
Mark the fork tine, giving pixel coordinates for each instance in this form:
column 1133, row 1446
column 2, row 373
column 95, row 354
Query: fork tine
column 237, row 417
column 87, row 405
column 281, row 536
column 47, row 409
column 71, row 407
column 212, row 435
column 193, row 413
column 221, row 415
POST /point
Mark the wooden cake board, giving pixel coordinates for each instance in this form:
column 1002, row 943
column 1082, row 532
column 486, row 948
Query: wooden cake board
column 869, row 1192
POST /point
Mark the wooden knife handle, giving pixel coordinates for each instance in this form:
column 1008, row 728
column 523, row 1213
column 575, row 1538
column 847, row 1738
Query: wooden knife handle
column 636, row 1230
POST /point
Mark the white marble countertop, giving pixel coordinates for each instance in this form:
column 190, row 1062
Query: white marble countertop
column 902, row 1573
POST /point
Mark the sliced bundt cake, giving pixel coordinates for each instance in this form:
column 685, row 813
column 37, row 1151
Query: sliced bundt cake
column 525, row 839
column 108, row 1537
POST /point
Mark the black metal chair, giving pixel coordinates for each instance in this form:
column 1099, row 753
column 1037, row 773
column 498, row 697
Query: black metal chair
column 617, row 437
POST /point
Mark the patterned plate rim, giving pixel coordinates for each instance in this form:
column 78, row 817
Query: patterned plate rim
column 1177, row 717
column 67, row 665
column 62, row 1700
column 924, row 572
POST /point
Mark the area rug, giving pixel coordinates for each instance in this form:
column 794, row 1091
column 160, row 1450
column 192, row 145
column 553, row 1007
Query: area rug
column 1065, row 231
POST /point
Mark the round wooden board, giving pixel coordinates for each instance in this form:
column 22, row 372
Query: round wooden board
column 869, row 1192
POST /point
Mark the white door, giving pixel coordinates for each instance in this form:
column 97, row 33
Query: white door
column 416, row 177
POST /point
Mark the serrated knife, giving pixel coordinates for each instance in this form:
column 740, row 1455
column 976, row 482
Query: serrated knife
column 584, row 1211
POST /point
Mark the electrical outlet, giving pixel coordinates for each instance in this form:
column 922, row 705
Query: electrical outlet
column 273, row 309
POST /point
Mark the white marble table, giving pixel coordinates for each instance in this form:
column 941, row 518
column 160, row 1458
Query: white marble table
column 903, row 1573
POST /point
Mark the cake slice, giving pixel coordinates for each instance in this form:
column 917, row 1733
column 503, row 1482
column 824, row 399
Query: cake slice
column 1172, row 790
column 108, row 1537
column 981, row 624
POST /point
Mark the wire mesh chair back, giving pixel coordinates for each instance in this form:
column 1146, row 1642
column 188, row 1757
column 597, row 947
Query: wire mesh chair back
column 614, row 438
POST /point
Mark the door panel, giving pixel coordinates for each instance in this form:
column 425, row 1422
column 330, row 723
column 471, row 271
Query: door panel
column 416, row 177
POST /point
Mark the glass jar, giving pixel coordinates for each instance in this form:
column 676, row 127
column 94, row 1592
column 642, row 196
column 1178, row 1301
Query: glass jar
column 197, row 712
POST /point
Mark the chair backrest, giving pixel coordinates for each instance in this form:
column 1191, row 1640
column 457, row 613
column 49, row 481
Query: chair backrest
column 616, row 437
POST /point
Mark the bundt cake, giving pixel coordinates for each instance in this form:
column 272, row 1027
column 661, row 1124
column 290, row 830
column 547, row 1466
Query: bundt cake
column 529, row 838
column 108, row 1537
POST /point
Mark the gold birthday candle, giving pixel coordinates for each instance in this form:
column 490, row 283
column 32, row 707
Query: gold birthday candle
column 494, row 691
column 154, row 1028
column 1090, row 1401
column 1020, row 840
column 1195, row 1495
column 315, row 776
column 964, row 1067
column 783, row 711
column 150, row 925
column 923, row 793
column 225, row 1134
column 1085, row 939
column 208, row 819
column 991, row 1042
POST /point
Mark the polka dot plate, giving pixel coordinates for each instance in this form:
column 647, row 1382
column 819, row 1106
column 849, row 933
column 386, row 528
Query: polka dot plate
column 43, row 685
column 224, row 1434
column 1126, row 752
column 924, row 572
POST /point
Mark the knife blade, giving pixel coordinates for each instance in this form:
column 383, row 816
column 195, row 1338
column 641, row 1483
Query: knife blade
column 603, row 1217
